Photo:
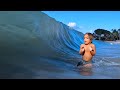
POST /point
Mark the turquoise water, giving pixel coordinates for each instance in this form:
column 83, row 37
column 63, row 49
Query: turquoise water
column 34, row 45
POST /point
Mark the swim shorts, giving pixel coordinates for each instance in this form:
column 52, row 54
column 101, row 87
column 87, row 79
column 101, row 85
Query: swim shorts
column 83, row 62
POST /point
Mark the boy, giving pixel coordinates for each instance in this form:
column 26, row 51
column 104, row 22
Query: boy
column 87, row 50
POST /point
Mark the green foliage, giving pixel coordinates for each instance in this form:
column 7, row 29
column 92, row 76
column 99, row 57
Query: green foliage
column 102, row 31
column 113, row 35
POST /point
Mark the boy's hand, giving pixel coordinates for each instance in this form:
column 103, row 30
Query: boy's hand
column 82, row 49
column 91, row 49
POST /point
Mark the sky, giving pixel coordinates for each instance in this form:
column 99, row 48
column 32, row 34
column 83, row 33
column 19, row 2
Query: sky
column 87, row 21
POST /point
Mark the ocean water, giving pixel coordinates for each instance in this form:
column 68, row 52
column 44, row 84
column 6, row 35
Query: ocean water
column 36, row 46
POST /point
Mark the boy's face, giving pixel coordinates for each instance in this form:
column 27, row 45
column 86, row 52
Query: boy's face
column 87, row 39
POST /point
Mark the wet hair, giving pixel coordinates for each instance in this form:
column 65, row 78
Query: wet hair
column 90, row 36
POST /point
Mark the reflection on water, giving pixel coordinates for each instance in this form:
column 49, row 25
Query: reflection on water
column 85, row 71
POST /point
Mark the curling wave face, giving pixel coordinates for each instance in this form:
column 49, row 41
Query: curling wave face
column 34, row 45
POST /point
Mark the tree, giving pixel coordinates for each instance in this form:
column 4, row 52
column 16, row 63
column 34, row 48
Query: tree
column 115, row 34
column 102, row 31
column 102, row 34
column 98, row 31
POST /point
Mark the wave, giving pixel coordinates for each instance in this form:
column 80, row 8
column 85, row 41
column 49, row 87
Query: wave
column 33, row 41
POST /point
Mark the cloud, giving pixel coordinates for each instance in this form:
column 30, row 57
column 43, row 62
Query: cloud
column 72, row 24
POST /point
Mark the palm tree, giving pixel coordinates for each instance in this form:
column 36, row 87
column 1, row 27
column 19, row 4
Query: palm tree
column 119, row 33
column 115, row 34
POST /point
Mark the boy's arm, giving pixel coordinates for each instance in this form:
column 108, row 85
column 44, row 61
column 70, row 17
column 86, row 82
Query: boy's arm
column 81, row 51
column 93, row 51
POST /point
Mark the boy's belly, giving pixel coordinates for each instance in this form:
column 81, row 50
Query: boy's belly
column 87, row 56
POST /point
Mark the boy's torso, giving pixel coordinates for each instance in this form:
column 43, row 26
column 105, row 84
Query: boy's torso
column 87, row 55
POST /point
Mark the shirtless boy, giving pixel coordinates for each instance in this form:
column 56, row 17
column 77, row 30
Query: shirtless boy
column 87, row 50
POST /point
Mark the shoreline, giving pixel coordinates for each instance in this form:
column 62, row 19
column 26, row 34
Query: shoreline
column 115, row 42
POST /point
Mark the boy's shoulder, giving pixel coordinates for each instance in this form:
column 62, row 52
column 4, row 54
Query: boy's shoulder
column 92, row 44
column 82, row 44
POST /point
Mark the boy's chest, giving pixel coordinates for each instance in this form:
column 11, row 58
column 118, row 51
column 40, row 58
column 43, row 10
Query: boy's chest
column 87, row 48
